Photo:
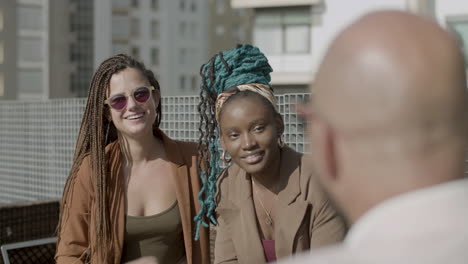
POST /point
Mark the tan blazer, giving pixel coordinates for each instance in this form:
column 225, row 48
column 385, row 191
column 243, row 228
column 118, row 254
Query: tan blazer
column 304, row 216
column 79, row 219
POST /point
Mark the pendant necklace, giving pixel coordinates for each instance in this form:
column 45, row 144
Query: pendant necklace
column 268, row 218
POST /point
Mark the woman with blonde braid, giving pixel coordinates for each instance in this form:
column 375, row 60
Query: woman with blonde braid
column 268, row 205
column 130, row 196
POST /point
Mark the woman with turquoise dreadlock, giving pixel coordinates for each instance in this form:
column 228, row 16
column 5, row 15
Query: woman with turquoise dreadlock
column 266, row 203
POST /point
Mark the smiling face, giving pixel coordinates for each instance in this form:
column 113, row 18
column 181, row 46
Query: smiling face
column 249, row 133
column 135, row 119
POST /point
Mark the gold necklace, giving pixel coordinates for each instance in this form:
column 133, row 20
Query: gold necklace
column 268, row 218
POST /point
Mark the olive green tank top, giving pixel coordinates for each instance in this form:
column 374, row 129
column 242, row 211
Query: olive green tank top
column 158, row 235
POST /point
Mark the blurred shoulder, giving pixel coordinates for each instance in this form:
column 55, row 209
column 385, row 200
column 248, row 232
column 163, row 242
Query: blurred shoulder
column 309, row 180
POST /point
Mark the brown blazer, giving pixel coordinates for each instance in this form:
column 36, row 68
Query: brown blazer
column 79, row 219
column 304, row 216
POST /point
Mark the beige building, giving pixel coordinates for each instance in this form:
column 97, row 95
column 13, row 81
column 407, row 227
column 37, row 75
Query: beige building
column 228, row 26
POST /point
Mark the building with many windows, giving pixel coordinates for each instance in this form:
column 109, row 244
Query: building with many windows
column 170, row 37
column 50, row 48
column 227, row 26
column 7, row 49
column 294, row 34
column 34, row 41
column 81, row 45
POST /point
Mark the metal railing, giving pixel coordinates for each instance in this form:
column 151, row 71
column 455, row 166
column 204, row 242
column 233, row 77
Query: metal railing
column 37, row 140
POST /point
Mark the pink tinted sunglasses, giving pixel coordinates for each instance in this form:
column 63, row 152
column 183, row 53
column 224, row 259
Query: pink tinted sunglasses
column 119, row 101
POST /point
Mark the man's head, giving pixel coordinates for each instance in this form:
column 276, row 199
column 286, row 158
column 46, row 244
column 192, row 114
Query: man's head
column 389, row 110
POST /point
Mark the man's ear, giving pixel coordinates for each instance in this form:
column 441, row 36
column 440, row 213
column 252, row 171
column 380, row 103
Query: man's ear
column 323, row 140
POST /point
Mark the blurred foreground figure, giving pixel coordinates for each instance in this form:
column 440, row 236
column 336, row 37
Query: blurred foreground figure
column 388, row 128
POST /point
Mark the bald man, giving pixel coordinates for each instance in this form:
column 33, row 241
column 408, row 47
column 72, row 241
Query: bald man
column 389, row 133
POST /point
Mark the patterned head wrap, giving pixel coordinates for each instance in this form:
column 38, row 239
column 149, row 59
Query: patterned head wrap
column 262, row 89
column 247, row 68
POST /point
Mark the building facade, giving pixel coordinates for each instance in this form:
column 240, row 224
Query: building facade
column 294, row 34
column 50, row 48
column 170, row 37
column 81, row 45
column 35, row 64
column 228, row 26
column 7, row 50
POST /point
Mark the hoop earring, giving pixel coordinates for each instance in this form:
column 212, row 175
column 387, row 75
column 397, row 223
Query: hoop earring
column 281, row 141
column 223, row 158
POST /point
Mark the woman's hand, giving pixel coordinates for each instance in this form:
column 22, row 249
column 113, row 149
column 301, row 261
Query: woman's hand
column 144, row 260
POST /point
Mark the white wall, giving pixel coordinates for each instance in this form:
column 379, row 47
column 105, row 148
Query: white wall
column 447, row 8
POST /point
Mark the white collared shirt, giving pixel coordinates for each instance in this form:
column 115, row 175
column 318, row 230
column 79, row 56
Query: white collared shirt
column 429, row 225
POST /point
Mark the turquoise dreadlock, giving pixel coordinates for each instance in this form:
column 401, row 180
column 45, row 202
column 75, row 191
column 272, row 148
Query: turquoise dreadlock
column 241, row 65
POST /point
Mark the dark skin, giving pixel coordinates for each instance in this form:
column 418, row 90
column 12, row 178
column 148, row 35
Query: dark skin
column 249, row 133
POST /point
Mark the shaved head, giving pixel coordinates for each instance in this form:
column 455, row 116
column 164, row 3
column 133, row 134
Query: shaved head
column 392, row 73
column 390, row 107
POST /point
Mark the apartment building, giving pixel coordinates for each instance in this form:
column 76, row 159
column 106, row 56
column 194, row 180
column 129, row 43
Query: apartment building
column 34, row 41
column 50, row 48
column 228, row 26
column 170, row 37
column 7, row 50
column 294, row 34
column 81, row 45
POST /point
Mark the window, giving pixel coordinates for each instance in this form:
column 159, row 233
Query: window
column 194, row 82
column 120, row 4
column 238, row 33
column 220, row 7
column 155, row 56
column 135, row 27
column 193, row 6
column 155, row 29
column 283, row 31
column 182, row 82
column 30, row 81
column 28, row 49
column 193, row 30
column 1, row 20
column 30, row 17
column 182, row 28
column 219, row 30
column 136, row 52
column 1, row 52
column 118, row 48
column 182, row 5
column 237, row 12
column 2, row 85
column 182, row 55
column 120, row 26
column 459, row 26
column 155, row 4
